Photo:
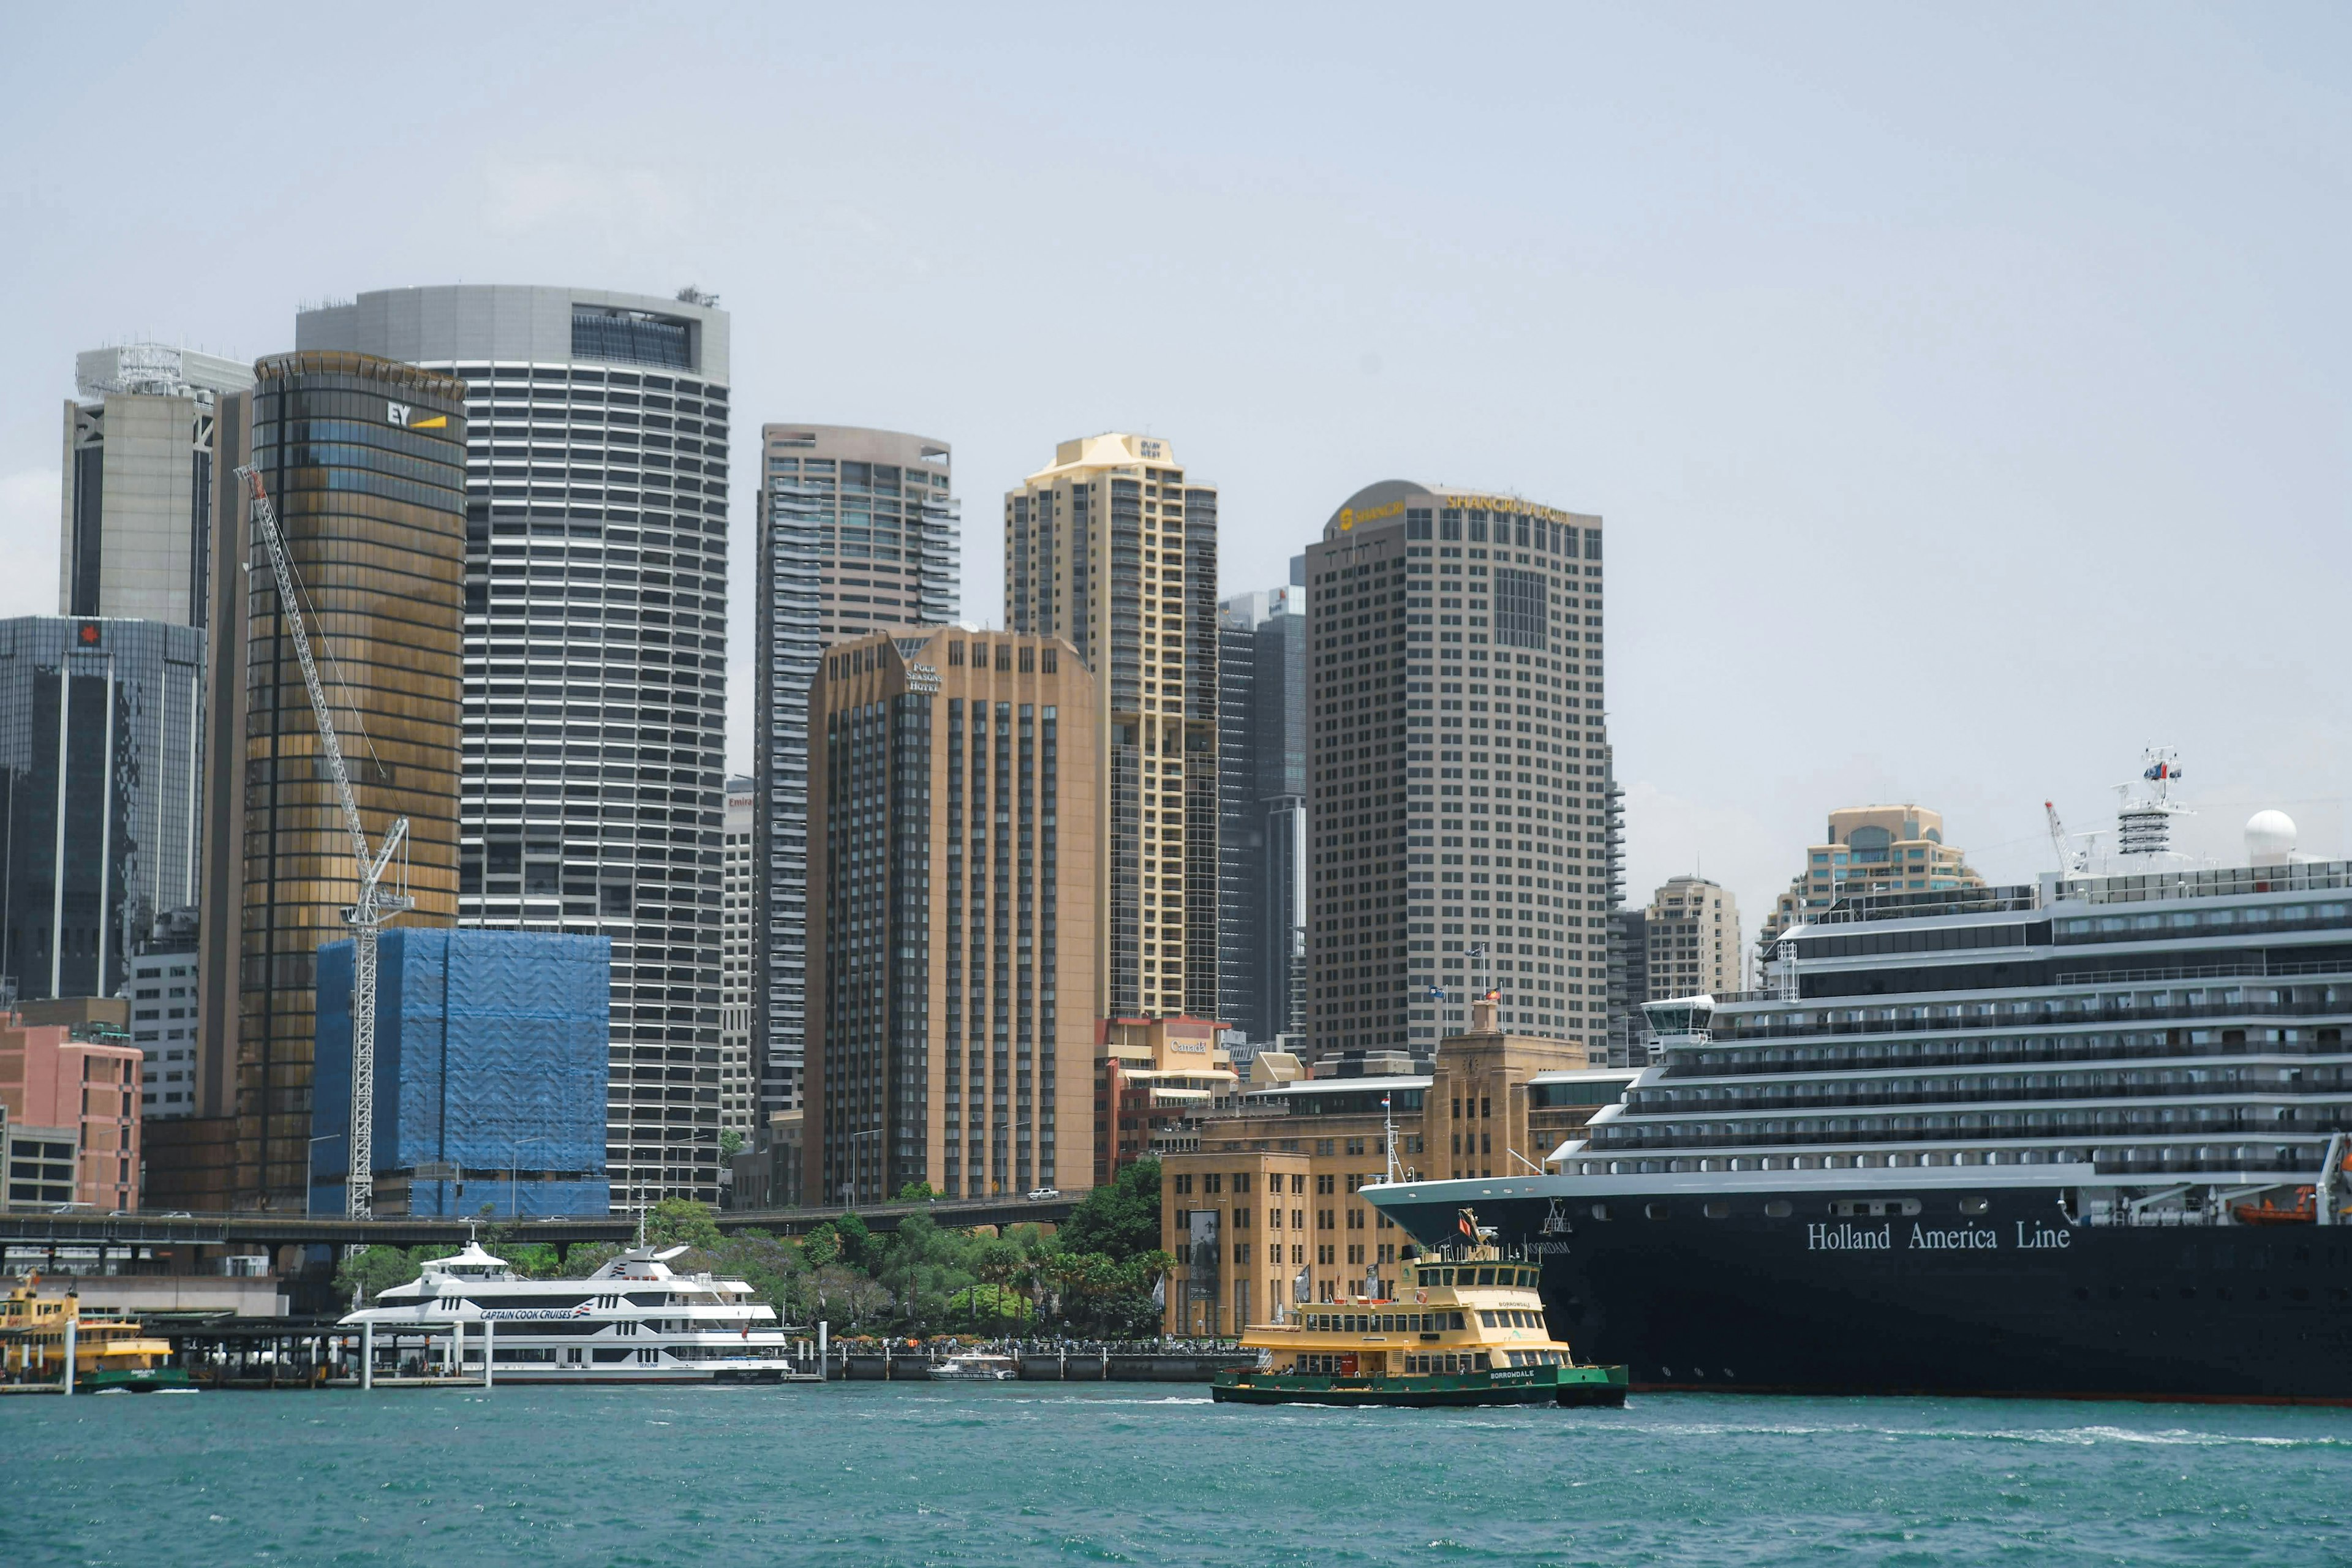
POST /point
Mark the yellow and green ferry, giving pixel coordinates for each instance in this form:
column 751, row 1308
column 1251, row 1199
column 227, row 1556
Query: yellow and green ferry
column 1466, row 1328
column 110, row 1353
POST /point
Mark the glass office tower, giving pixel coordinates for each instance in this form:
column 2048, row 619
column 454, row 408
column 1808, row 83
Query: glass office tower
column 595, row 578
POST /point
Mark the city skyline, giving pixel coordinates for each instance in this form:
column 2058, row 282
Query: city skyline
column 1804, row 325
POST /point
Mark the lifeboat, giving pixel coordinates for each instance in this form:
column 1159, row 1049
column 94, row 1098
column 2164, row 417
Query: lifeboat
column 2304, row 1212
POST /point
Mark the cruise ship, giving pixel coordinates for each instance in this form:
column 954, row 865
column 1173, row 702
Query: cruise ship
column 2083, row 1138
column 633, row 1320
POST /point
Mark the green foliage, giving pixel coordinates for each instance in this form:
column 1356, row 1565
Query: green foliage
column 988, row 1310
column 377, row 1268
column 1120, row 1220
column 856, row 1242
column 917, row 1193
column 730, row 1143
column 587, row 1257
column 681, row 1220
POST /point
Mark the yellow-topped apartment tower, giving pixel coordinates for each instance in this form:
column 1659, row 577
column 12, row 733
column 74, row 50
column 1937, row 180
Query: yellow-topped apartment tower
column 1114, row 549
column 1871, row 849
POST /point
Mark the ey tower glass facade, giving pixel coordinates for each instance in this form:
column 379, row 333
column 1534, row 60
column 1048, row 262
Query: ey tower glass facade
column 1462, row 825
column 858, row 532
column 365, row 461
column 596, row 472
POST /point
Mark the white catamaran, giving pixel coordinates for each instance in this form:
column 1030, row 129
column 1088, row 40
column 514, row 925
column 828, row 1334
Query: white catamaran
column 633, row 1320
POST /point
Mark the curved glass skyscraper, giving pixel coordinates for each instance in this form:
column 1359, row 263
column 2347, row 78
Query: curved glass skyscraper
column 595, row 661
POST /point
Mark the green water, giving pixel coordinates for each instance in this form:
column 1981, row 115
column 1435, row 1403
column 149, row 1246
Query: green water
column 1026, row 1474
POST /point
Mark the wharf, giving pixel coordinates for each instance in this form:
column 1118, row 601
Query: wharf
column 1058, row 1366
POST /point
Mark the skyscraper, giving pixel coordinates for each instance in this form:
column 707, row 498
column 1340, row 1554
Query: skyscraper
column 954, row 979
column 1870, row 849
column 1262, row 803
column 1692, row 929
column 595, row 660
column 736, row 1098
column 101, row 727
column 1459, row 770
column 141, row 451
column 858, row 532
column 365, row 460
column 1115, row 550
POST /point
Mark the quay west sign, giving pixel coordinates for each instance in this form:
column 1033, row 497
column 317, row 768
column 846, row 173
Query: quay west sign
column 1846, row 1237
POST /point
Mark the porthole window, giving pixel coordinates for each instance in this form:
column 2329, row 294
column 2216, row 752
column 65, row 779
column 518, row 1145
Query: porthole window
column 1778, row 1208
column 1718, row 1209
column 1655, row 1211
column 1976, row 1205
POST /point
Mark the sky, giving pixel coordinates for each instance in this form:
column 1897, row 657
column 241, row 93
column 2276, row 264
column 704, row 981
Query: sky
column 1965, row 390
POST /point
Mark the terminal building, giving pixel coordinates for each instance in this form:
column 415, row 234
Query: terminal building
column 1263, row 1214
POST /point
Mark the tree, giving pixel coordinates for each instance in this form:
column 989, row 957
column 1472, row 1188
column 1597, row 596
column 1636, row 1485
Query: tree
column 1119, row 1220
column 588, row 1256
column 987, row 1309
column 856, row 1242
column 730, row 1143
column 917, row 1193
column 682, row 1220
column 377, row 1268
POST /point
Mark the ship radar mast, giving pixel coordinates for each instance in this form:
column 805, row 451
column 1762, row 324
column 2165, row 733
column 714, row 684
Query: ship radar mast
column 2143, row 819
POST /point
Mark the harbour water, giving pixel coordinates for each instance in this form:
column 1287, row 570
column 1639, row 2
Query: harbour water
column 1033, row 1474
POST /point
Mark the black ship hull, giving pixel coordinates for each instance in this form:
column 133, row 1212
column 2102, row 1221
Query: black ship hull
column 1813, row 1292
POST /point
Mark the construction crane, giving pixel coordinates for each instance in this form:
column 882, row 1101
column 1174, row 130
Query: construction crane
column 376, row 904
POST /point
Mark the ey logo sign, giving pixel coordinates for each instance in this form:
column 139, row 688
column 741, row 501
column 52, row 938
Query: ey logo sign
column 402, row 414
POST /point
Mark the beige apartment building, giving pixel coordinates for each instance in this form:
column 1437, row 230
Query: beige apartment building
column 1267, row 1209
column 1692, row 932
column 954, row 966
column 735, row 962
column 1871, row 849
column 1114, row 549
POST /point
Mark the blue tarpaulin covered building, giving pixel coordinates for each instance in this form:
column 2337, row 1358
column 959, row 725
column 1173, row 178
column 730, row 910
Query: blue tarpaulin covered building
column 490, row 1071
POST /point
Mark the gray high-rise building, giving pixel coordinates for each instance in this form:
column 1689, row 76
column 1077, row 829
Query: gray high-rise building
column 141, row 447
column 593, row 711
column 1463, row 824
column 859, row 531
column 1262, row 809
column 101, row 746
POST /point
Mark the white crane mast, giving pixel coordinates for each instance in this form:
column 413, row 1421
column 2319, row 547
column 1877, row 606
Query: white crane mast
column 376, row 905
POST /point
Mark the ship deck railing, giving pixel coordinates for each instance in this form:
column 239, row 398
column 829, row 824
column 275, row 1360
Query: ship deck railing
column 1735, row 1033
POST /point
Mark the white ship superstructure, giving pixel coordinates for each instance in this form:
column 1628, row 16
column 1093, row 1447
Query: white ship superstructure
column 633, row 1320
column 2091, row 1136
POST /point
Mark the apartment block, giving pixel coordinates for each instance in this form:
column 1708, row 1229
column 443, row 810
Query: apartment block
column 955, row 972
column 859, row 530
column 1113, row 548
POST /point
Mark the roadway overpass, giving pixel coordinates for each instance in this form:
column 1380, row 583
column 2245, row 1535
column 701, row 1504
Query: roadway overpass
column 44, row 1228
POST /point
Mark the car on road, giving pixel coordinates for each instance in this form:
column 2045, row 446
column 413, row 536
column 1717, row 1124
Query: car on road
column 1044, row 1195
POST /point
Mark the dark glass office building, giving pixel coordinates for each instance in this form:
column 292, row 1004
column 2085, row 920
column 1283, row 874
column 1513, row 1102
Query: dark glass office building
column 1262, row 810
column 364, row 459
column 101, row 727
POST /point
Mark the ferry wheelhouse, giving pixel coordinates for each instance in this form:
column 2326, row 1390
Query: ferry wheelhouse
column 633, row 1320
column 1466, row 1327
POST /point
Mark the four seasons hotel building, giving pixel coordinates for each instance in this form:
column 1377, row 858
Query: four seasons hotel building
column 1458, row 769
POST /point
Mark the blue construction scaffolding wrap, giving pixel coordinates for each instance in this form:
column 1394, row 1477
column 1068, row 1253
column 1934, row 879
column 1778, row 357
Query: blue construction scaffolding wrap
column 491, row 1063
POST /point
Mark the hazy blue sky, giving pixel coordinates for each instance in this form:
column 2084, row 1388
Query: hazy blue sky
column 1966, row 391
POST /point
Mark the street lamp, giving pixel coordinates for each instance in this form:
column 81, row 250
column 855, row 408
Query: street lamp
column 513, row 1211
